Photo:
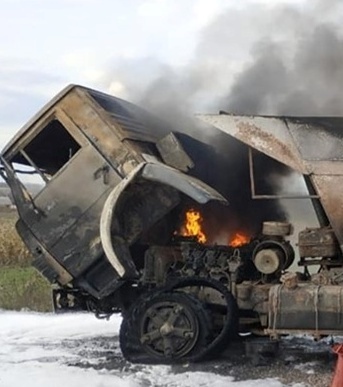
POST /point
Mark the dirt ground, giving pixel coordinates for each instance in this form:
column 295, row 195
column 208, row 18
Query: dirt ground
column 297, row 360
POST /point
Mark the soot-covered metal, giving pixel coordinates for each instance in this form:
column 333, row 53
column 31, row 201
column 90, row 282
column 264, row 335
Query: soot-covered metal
column 181, row 231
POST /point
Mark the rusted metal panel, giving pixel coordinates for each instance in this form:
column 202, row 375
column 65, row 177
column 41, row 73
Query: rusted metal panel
column 310, row 145
column 317, row 242
column 330, row 190
column 317, row 138
column 269, row 135
column 251, row 297
column 306, row 144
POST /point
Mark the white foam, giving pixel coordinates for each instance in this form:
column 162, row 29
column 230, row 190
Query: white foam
column 37, row 350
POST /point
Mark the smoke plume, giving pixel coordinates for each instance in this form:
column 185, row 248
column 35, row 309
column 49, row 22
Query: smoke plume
column 277, row 60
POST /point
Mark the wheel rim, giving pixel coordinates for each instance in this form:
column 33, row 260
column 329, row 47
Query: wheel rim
column 169, row 329
column 230, row 328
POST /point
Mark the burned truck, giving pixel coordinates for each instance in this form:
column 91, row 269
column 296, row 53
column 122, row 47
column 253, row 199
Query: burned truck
column 116, row 225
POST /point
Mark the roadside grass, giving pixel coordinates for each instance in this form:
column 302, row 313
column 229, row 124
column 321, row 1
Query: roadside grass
column 21, row 286
column 24, row 288
column 12, row 249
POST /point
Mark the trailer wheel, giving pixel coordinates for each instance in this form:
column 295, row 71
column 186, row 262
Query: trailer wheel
column 166, row 327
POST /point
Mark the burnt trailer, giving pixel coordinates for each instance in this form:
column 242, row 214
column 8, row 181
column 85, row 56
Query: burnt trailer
column 103, row 228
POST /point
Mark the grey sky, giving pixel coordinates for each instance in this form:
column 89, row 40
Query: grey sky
column 46, row 44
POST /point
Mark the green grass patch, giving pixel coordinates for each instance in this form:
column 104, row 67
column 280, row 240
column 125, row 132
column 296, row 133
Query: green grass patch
column 24, row 288
column 13, row 252
column 21, row 286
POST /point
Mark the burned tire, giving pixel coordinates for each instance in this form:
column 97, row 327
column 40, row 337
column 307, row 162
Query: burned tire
column 229, row 330
column 167, row 327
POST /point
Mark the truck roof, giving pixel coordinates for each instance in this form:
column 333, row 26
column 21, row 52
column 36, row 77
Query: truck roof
column 129, row 120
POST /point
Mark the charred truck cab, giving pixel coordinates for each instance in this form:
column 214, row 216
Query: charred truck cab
column 108, row 172
column 102, row 228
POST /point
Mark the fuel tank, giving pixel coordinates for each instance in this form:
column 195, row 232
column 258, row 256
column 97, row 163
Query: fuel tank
column 316, row 309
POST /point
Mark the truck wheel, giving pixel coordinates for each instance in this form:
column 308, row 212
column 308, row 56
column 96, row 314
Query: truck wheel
column 167, row 327
column 230, row 314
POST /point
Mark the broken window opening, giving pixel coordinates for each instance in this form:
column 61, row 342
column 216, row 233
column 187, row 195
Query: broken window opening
column 38, row 161
column 33, row 164
column 29, row 178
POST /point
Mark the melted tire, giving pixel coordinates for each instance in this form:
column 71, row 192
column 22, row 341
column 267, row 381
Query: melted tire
column 209, row 345
column 130, row 331
column 230, row 328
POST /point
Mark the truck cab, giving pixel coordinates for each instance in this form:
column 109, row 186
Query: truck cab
column 89, row 151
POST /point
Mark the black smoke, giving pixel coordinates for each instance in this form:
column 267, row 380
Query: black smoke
column 277, row 60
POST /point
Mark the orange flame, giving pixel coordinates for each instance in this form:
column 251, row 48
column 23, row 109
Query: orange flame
column 239, row 239
column 192, row 226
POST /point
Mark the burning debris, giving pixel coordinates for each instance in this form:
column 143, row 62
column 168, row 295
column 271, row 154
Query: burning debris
column 225, row 167
column 194, row 225
column 239, row 239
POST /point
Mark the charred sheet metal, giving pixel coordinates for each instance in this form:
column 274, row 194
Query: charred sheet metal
column 122, row 223
column 189, row 185
column 306, row 308
column 317, row 242
column 43, row 260
column 268, row 135
column 173, row 153
column 312, row 146
column 84, row 145
column 123, row 262
column 305, row 144
column 131, row 121
column 330, row 189
column 100, row 131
